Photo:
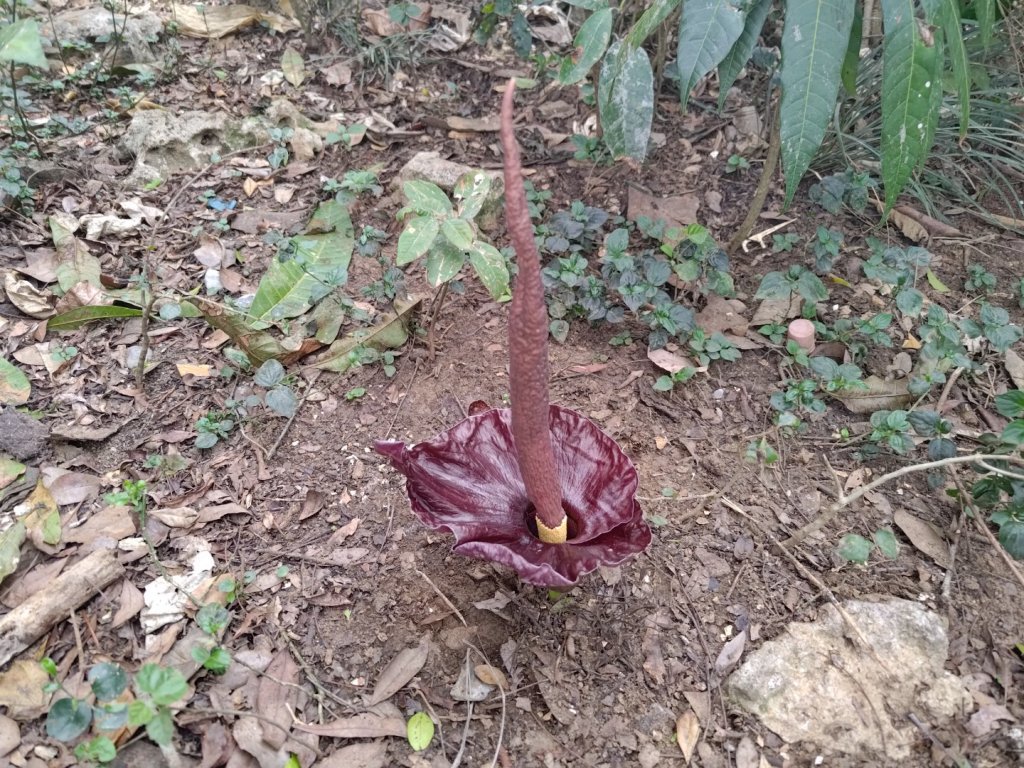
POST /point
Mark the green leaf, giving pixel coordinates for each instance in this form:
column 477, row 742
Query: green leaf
column 946, row 15
column 774, row 287
column 443, row 263
column 20, row 43
column 1013, row 432
column 165, row 685
column 282, row 401
column 851, row 62
column 140, row 712
column 459, row 233
column 161, row 728
column 708, row 29
column 740, row 52
column 650, row 20
column 420, row 731
column 426, row 198
column 1011, row 536
column 108, row 681
column 269, row 374
column 491, row 269
column 417, row 237
column 471, row 189
column 10, row 548
column 911, row 91
column 73, row 318
column 591, row 42
column 985, row 12
column 935, row 283
column 68, row 719
column 626, row 100
column 1011, row 404
column 855, row 548
column 15, row 388
column 886, row 542
column 814, row 41
column 664, row 384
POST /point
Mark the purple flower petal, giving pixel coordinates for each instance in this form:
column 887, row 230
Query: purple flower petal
column 467, row 481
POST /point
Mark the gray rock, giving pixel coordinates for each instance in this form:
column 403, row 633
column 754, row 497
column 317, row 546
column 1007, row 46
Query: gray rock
column 139, row 31
column 21, row 436
column 814, row 684
column 162, row 143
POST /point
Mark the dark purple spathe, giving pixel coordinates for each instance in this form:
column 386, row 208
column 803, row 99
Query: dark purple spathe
column 467, row 481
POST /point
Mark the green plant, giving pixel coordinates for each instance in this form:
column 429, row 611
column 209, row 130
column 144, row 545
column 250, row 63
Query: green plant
column 346, row 135
column 856, row 333
column 712, row 347
column 899, row 268
column 447, row 234
column 836, row 377
column 355, row 393
column 132, row 494
column 353, row 184
column 278, row 157
column 590, row 149
column 761, row 450
column 784, row 241
column 848, row 188
column 213, row 619
column 826, row 249
column 891, row 428
column 776, row 332
column 993, row 325
column 979, row 279
column 799, row 396
column 736, row 163
column 667, row 382
column 279, row 397
column 855, row 548
column 797, row 280
column 213, row 427
column 157, row 689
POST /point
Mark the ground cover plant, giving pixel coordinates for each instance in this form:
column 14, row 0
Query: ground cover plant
column 718, row 334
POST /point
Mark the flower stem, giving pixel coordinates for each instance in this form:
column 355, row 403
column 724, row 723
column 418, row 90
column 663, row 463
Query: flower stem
column 528, row 350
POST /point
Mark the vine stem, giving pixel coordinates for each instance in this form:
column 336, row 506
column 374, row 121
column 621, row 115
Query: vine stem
column 844, row 501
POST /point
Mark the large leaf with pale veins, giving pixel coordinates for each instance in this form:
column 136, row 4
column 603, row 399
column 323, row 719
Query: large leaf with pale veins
column 708, row 29
column 625, row 95
column 911, row 91
column 814, row 42
column 740, row 52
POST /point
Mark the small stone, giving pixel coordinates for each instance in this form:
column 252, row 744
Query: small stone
column 469, row 687
column 21, row 436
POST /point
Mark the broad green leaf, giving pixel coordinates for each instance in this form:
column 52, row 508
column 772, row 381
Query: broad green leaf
column 68, row 719
column 1011, row 404
column 319, row 264
column 471, row 189
column 10, row 548
column 591, row 42
column 425, row 197
column 945, row 14
column 851, row 62
column 417, row 237
column 626, row 100
column 459, row 233
column 161, row 728
column 1011, row 536
column 108, row 681
column 443, row 263
column 740, row 52
column 650, row 20
column 814, row 41
column 420, row 731
column 14, row 385
column 282, row 401
column 292, row 66
column 911, row 91
column 20, row 43
column 165, row 685
column 1013, row 432
column 708, row 29
column 589, row 5
column 79, row 315
column 491, row 269
column 855, row 548
column 886, row 542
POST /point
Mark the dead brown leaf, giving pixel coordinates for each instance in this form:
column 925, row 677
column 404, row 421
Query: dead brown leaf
column 731, row 653
column 670, row 362
column 276, row 697
column 21, row 690
column 385, row 719
column 489, row 675
column 31, row 582
column 111, row 523
column 687, row 734
column 370, row 754
column 403, row 668
column 68, row 487
column 129, row 604
column 344, row 532
column 720, row 315
column 924, row 536
column 881, row 395
column 675, row 211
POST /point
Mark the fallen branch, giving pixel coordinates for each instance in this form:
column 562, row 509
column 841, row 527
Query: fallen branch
column 53, row 603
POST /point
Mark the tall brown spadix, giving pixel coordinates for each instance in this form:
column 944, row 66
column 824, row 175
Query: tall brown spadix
column 528, row 350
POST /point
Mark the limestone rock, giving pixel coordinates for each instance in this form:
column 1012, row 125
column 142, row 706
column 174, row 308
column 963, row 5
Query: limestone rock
column 814, row 684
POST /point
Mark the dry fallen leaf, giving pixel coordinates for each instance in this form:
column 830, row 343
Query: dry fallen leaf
column 881, row 395
column 403, row 668
column 669, row 361
column 731, row 653
column 924, row 536
column 276, row 697
column 383, row 720
column 491, row 676
column 370, row 754
column 687, row 733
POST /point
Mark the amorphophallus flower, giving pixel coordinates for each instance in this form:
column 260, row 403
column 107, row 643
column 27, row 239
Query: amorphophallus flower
column 535, row 487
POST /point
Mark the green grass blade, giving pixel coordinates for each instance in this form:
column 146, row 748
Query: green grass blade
column 814, row 42
column 708, row 29
column 911, row 88
column 851, row 62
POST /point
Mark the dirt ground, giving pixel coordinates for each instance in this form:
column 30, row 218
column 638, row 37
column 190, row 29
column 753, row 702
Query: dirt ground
column 597, row 676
